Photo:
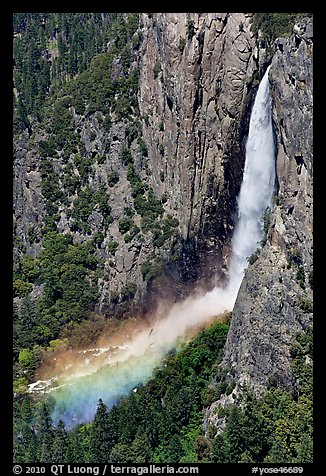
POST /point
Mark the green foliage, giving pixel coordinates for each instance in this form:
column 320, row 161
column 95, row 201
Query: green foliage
column 276, row 428
column 151, row 269
column 27, row 360
column 190, row 29
column 101, row 159
column 84, row 167
column 112, row 247
column 30, row 268
column 126, row 156
column 69, row 293
column 113, row 178
column 157, row 69
column 20, row 385
column 128, row 237
column 129, row 212
column 98, row 238
column 182, row 44
column 306, row 305
column 162, row 422
column 253, row 258
column 273, row 25
column 161, row 149
column 21, row 288
column 52, row 48
column 128, row 291
column 300, row 277
column 311, row 278
column 279, row 200
column 125, row 224
column 148, row 207
column 142, row 147
column 294, row 258
column 24, row 318
column 165, row 231
column 102, row 436
column 60, row 447
column 85, row 203
column 47, row 148
column 266, row 224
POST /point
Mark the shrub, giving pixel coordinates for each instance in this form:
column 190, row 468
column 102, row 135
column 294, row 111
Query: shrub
column 98, row 238
column 129, row 212
column 267, row 220
column 278, row 200
column 254, row 257
column 47, row 148
column 107, row 123
column 126, row 156
column 27, row 360
column 273, row 25
column 131, row 234
column 125, row 224
column 142, row 147
column 112, row 247
column 310, row 279
column 157, row 69
column 101, row 159
column 113, row 178
column 190, row 29
column 306, row 305
column 300, row 277
column 114, row 296
column 21, row 288
column 128, row 291
column 30, row 268
column 294, row 257
column 151, row 269
column 182, row 44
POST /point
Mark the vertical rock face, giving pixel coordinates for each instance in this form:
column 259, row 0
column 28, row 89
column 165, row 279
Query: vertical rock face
column 194, row 74
column 195, row 82
column 275, row 299
column 28, row 201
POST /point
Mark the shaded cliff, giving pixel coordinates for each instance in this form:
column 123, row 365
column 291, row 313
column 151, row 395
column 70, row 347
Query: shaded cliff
column 196, row 71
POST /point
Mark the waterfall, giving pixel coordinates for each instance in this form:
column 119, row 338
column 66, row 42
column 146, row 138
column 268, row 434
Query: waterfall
column 257, row 185
column 115, row 370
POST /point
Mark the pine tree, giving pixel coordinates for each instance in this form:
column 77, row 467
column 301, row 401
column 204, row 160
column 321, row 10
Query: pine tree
column 121, row 454
column 100, row 437
column 60, row 444
column 29, row 444
column 26, row 411
column 221, row 449
column 45, row 437
column 141, row 448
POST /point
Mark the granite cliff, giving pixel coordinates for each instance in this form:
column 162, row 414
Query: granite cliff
column 274, row 303
column 160, row 168
column 185, row 136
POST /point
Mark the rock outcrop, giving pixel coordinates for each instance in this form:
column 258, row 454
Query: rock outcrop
column 275, row 299
column 196, row 71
